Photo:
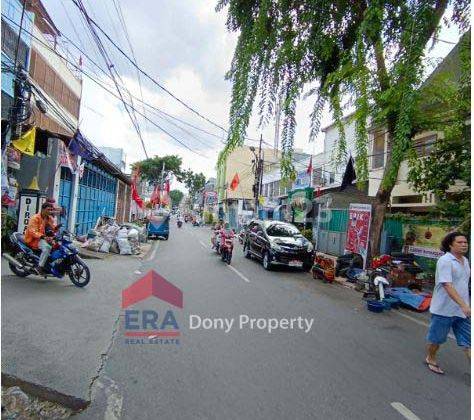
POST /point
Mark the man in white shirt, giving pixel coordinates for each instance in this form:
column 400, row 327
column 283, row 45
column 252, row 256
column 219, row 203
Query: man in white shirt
column 450, row 305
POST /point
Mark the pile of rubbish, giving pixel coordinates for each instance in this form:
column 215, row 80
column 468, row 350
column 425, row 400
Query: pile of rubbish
column 109, row 236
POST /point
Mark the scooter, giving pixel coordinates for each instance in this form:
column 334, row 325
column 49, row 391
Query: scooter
column 64, row 259
column 226, row 245
column 179, row 223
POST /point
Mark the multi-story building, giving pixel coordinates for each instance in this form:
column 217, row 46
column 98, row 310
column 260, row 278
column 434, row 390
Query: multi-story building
column 275, row 190
column 85, row 190
column 239, row 203
column 11, row 18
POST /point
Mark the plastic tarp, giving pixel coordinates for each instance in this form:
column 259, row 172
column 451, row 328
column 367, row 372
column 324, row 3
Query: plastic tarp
column 418, row 301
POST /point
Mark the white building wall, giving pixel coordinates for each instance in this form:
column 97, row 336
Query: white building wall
column 331, row 141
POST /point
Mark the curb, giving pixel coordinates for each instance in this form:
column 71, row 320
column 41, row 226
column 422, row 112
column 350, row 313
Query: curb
column 45, row 393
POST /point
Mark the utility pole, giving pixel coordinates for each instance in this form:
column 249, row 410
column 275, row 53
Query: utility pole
column 258, row 167
column 161, row 182
column 277, row 124
column 20, row 79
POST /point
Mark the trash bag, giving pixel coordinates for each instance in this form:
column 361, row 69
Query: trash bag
column 114, row 248
column 133, row 234
column 122, row 233
column 110, row 231
column 124, row 246
column 94, row 244
column 105, row 246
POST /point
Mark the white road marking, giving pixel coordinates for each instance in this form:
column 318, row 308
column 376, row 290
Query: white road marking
column 405, row 412
column 238, row 273
column 419, row 322
column 203, row 244
column 152, row 256
column 137, row 272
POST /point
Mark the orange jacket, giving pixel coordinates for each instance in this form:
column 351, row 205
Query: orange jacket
column 35, row 230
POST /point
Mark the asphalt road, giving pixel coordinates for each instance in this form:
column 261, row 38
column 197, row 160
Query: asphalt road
column 352, row 364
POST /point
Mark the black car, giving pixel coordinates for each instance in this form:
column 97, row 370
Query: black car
column 278, row 243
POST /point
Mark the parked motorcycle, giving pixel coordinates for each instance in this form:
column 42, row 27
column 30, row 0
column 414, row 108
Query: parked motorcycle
column 226, row 245
column 64, row 259
column 179, row 223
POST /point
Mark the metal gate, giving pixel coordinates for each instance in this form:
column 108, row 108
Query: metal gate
column 331, row 232
column 97, row 191
column 65, row 193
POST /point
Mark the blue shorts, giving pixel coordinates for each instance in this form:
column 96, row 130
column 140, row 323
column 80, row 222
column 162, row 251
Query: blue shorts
column 440, row 326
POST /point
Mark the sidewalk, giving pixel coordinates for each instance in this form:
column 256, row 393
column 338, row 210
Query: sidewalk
column 55, row 334
column 422, row 318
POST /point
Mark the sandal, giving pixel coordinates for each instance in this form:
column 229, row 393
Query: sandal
column 433, row 367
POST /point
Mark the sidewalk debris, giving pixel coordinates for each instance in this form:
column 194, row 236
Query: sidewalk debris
column 110, row 237
column 16, row 404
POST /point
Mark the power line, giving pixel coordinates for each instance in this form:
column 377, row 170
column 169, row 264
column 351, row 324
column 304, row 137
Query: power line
column 118, row 9
column 144, row 72
column 133, row 62
column 83, row 52
column 111, row 69
column 108, row 90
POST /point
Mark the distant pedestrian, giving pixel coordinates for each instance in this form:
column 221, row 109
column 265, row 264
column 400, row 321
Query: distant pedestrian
column 450, row 305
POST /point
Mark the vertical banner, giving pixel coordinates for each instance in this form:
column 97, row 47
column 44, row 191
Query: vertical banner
column 358, row 229
column 30, row 204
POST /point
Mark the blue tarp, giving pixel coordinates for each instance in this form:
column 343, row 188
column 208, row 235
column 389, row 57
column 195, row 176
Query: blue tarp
column 408, row 297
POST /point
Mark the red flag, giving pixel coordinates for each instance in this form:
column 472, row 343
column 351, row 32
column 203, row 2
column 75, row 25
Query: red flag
column 136, row 197
column 235, row 182
column 155, row 195
column 309, row 171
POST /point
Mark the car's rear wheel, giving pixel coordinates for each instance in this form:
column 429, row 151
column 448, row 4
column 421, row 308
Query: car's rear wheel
column 267, row 265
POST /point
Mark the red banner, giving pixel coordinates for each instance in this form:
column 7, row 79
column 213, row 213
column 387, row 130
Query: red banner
column 358, row 229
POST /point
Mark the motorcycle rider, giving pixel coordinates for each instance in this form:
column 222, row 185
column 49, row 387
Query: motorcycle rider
column 36, row 236
column 216, row 232
column 225, row 234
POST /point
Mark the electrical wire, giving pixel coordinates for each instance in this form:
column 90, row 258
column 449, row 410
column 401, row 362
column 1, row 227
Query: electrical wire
column 110, row 91
column 114, row 74
column 86, row 55
column 133, row 62
column 118, row 9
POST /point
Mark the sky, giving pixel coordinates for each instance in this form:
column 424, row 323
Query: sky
column 186, row 47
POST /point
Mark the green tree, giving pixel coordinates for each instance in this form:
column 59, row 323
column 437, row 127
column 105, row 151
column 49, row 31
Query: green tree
column 445, row 106
column 151, row 169
column 367, row 52
column 194, row 182
column 176, row 197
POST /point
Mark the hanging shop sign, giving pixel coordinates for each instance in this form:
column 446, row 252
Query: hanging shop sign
column 358, row 229
column 303, row 180
column 424, row 240
column 30, row 204
column 301, row 204
column 210, row 197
